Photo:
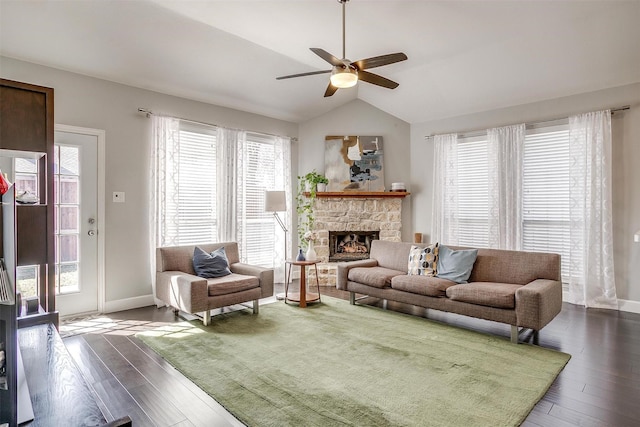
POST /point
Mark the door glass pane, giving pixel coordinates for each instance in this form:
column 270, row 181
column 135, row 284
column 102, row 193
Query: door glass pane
column 69, row 278
column 69, row 220
column 68, row 247
column 69, row 163
column 69, row 189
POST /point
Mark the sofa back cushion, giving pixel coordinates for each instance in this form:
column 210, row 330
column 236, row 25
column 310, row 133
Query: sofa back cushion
column 392, row 255
column 492, row 265
column 517, row 267
column 180, row 258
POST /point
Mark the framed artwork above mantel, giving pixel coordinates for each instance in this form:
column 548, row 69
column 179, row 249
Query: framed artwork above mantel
column 354, row 163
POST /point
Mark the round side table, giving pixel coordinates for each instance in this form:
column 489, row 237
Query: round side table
column 302, row 297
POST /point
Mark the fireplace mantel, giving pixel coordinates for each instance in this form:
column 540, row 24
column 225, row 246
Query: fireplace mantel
column 361, row 194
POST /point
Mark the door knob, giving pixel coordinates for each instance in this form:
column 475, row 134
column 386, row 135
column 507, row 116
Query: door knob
column 91, row 233
column 92, row 221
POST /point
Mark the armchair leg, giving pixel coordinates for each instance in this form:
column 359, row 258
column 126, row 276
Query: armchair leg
column 206, row 318
column 352, row 298
column 256, row 306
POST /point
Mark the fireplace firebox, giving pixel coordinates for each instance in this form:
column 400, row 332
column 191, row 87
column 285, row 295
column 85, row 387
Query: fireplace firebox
column 350, row 245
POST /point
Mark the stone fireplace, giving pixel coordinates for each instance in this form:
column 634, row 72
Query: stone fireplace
column 359, row 217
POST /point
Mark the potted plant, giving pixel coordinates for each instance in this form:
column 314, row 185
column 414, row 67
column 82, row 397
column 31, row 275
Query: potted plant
column 307, row 190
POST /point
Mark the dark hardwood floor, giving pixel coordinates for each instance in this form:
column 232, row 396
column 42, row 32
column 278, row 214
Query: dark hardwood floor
column 600, row 386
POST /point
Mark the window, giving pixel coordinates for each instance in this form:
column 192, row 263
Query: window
column 545, row 198
column 257, row 233
column 195, row 210
column 210, row 185
column 545, row 183
column 473, row 190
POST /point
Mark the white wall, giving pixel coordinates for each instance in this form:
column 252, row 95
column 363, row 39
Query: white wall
column 93, row 103
column 626, row 170
column 360, row 118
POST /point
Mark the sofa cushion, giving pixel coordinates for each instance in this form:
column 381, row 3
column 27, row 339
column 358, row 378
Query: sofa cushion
column 423, row 261
column 490, row 294
column 456, row 265
column 231, row 283
column 210, row 265
column 423, row 285
column 378, row 277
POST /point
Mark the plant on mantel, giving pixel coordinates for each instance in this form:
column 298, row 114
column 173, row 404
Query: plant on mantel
column 307, row 191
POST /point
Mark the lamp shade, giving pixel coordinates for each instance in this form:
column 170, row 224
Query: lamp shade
column 275, row 201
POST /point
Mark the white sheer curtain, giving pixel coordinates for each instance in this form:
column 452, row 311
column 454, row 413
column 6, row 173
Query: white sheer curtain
column 227, row 182
column 592, row 281
column 165, row 157
column 444, row 226
column 505, row 148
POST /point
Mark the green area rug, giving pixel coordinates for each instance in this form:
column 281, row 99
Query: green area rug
column 337, row 364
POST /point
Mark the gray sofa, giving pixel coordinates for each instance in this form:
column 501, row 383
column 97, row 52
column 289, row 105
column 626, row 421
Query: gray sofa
column 179, row 287
column 522, row 289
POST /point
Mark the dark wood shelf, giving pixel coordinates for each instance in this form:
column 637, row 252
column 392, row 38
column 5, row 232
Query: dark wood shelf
column 361, row 194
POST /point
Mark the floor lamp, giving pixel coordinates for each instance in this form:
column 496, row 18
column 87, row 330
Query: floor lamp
column 276, row 201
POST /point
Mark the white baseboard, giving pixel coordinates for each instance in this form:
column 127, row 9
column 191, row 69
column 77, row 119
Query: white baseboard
column 623, row 304
column 128, row 303
column 629, row 305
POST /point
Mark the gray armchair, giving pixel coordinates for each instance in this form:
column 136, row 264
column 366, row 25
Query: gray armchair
column 179, row 287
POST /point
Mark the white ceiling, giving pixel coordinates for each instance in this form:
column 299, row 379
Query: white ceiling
column 464, row 56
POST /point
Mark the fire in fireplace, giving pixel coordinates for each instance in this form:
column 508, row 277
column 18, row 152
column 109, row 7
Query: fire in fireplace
column 350, row 245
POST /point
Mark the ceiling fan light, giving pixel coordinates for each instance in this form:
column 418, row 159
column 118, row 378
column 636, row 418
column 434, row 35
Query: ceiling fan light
column 343, row 78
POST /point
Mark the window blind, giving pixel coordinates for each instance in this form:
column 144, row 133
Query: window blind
column 196, row 202
column 545, row 201
column 473, row 191
column 257, row 227
column 545, row 189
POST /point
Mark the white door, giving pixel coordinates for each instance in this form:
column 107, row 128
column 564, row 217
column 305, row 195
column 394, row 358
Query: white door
column 78, row 282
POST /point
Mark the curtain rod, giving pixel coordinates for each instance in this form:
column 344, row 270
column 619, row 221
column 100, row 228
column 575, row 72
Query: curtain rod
column 150, row 113
column 484, row 131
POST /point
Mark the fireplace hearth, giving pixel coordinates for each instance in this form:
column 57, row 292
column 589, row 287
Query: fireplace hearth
column 350, row 245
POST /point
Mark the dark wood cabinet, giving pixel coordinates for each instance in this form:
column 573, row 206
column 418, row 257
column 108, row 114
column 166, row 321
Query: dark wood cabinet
column 26, row 131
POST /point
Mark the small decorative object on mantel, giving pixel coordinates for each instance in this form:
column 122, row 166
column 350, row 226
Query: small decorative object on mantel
column 398, row 186
column 300, row 256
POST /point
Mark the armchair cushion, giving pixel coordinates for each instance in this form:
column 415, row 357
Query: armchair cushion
column 210, row 265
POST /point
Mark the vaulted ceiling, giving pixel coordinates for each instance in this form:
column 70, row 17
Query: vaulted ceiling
column 464, row 56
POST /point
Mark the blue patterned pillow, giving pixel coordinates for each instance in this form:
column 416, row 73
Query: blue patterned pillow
column 456, row 265
column 423, row 261
column 210, row 265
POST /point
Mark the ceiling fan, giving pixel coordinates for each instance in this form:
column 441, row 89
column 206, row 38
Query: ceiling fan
column 345, row 73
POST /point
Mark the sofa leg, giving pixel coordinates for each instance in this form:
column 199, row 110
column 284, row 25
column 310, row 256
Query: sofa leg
column 352, row 298
column 206, row 318
column 536, row 337
column 176, row 312
column 514, row 334
column 256, row 306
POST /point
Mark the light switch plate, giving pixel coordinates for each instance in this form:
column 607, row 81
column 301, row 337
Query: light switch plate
column 118, row 196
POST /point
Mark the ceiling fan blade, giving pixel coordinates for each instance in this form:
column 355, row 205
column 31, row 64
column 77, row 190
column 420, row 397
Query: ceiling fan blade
column 375, row 79
column 331, row 89
column 310, row 73
column 327, row 56
column 378, row 61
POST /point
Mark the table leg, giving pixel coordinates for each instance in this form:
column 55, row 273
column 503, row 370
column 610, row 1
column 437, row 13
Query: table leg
column 303, row 286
